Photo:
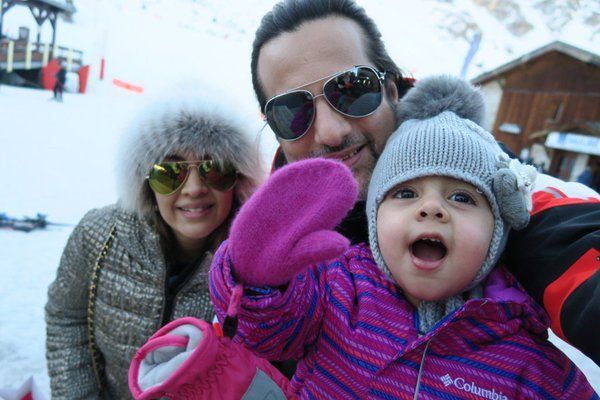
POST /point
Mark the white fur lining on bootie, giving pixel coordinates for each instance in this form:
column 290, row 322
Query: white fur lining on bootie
column 171, row 351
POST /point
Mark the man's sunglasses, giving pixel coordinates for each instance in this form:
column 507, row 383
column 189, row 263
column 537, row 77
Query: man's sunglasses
column 356, row 93
column 168, row 177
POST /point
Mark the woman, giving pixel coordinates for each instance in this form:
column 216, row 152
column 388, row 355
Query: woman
column 129, row 268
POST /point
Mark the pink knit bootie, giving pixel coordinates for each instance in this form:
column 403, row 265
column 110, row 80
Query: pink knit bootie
column 188, row 359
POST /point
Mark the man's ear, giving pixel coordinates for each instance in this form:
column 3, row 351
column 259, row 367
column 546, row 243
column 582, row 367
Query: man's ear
column 402, row 85
column 279, row 159
column 391, row 91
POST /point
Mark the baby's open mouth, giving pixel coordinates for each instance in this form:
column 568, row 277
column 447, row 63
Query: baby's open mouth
column 428, row 249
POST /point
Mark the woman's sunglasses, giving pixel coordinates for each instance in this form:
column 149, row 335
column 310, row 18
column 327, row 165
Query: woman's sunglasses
column 355, row 93
column 168, row 177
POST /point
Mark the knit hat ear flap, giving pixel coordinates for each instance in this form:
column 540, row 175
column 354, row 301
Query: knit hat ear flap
column 512, row 186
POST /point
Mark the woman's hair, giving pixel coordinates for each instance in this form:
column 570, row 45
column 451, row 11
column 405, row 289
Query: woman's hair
column 289, row 15
column 183, row 126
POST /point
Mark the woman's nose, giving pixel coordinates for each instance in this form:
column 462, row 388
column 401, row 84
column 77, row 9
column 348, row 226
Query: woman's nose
column 194, row 185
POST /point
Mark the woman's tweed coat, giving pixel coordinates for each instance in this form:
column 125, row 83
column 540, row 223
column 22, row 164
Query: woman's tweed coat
column 129, row 302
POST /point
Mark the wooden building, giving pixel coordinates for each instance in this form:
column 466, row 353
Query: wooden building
column 26, row 61
column 554, row 89
column 41, row 10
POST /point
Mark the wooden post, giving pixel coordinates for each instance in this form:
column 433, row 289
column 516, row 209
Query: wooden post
column 28, row 50
column 39, row 35
column 69, row 59
column 9, row 56
column 5, row 5
column 46, row 54
column 53, row 23
column 40, row 13
column 1, row 16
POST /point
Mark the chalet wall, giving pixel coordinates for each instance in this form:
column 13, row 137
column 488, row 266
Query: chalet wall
column 550, row 90
column 492, row 92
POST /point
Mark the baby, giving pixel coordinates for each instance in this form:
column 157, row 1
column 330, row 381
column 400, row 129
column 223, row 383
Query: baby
column 422, row 313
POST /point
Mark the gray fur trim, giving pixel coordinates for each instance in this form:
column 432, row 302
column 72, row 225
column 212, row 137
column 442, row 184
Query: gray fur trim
column 190, row 126
column 431, row 96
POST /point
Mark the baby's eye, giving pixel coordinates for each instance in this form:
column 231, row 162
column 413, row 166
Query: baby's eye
column 405, row 193
column 462, row 197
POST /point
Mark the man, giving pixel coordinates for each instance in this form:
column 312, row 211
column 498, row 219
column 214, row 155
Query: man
column 61, row 78
column 328, row 88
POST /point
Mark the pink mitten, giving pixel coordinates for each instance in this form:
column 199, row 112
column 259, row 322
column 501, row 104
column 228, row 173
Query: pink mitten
column 288, row 223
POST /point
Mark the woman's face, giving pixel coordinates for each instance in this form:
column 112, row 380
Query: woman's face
column 195, row 210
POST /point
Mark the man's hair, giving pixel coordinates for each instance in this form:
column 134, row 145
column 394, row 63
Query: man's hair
column 288, row 15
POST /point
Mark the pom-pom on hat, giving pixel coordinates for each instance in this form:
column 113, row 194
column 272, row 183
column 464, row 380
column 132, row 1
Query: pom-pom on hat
column 440, row 135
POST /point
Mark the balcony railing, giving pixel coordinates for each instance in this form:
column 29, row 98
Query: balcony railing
column 20, row 54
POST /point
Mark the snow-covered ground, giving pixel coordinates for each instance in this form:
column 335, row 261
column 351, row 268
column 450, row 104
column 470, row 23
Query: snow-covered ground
column 58, row 159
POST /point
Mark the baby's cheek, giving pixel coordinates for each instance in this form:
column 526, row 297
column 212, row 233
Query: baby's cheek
column 475, row 244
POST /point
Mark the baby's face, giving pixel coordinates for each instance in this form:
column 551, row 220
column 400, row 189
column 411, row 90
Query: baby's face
column 434, row 234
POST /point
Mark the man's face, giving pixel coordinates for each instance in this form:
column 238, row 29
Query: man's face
column 318, row 49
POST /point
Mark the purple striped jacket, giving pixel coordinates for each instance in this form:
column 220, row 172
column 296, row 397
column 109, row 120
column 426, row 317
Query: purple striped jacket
column 355, row 337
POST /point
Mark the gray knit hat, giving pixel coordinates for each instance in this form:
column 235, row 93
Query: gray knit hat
column 204, row 124
column 440, row 135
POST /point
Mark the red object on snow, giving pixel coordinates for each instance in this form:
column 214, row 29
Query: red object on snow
column 127, row 86
column 29, row 390
column 48, row 74
column 102, row 66
column 84, row 73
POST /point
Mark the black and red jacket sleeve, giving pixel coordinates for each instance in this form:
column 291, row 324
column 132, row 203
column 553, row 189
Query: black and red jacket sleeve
column 557, row 259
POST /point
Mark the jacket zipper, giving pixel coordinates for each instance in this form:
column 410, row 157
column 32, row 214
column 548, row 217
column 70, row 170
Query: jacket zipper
column 418, row 385
column 163, row 313
column 171, row 297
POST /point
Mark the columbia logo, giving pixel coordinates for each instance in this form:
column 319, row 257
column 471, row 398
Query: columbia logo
column 472, row 387
column 447, row 380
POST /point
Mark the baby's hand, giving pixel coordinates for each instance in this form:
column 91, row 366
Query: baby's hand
column 288, row 223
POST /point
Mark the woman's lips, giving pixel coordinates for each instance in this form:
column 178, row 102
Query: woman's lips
column 196, row 211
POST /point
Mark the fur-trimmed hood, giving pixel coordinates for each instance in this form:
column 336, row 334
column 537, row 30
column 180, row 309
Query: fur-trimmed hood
column 202, row 125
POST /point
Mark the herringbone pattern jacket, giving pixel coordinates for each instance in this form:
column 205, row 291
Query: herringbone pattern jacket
column 129, row 303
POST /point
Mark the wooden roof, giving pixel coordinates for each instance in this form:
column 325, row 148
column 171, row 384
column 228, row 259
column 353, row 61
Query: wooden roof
column 56, row 5
column 575, row 52
column 591, row 128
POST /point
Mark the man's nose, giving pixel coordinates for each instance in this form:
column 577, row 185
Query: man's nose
column 330, row 127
